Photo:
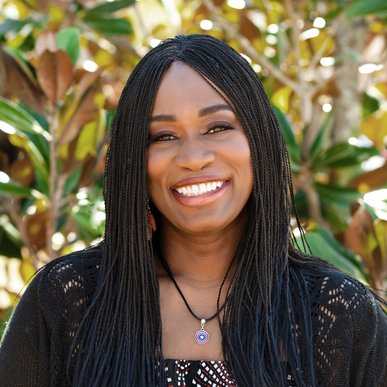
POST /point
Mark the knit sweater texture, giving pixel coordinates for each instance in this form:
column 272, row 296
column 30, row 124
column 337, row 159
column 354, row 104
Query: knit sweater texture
column 349, row 326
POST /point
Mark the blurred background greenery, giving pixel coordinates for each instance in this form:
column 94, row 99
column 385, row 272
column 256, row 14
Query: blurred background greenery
column 63, row 65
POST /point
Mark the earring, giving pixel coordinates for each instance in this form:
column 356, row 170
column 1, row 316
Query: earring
column 151, row 223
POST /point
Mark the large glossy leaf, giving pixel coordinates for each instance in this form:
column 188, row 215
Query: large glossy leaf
column 340, row 195
column 368, row 7
column 112, row 6
column 335, row 203
column 329, row 249
column 67, row 39
column 342, row 155
column 110, row 27
column 287, row 132
column 55, row 72
column 20, row 119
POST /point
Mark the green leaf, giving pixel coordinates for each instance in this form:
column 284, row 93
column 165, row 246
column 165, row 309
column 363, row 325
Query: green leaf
column 369, row 105
column 287, row 132
column 72, row 181
column 10, row 239
column 14, row 117
column 342, row 155
column 112, row 6
column 15, row 189
column 108, row 26
column 368, row 7
column 335, row 204
column 319, row 141
column 324, row 247
column 12, row 25
column 68, row 40
column 340, row 195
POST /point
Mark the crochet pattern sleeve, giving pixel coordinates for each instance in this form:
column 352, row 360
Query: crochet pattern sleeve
column 350, row 329
column 24, row 351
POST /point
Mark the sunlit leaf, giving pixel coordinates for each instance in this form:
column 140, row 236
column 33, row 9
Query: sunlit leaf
column 375, row 128
column 380, row 228
column 331, row 251
column 20, row 119
column 281, row 98
column 27, row 269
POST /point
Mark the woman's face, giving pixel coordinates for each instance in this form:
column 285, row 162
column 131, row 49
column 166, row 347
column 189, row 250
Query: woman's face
column 199, row 165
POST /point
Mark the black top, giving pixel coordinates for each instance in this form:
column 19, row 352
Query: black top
column 349, row 329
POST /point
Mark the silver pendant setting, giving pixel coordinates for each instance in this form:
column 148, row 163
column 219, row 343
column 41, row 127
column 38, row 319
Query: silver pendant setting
column 202, row 336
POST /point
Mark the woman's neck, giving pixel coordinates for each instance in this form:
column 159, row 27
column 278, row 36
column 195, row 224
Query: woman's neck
column 200, row 259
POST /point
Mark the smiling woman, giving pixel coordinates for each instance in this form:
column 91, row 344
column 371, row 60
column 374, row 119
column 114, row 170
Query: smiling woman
column 197, row 281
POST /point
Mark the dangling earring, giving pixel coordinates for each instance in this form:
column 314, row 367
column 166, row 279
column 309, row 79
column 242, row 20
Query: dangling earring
column 151, row 223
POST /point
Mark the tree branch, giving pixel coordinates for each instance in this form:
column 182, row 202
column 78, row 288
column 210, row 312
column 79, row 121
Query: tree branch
column 249, row 49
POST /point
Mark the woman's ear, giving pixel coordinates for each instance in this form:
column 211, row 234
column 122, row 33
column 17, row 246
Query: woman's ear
column 151, row 224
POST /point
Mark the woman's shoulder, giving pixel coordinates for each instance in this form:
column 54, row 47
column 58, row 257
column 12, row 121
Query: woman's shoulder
column 68, row 280
column 73, row 267
column 335, row 295
column 334, row 286
column 349, row 328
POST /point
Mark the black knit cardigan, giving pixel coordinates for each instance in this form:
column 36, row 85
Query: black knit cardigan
column 349, row 326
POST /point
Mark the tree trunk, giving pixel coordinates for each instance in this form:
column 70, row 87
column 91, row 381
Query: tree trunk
column 350, row 40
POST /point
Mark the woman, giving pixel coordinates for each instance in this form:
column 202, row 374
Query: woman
column 197, row 281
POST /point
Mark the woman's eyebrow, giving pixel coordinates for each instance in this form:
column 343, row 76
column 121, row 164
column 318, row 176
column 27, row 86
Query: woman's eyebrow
column 202, row 112
column 213, row 109
column 164, row 117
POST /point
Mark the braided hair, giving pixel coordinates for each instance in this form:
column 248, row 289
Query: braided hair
column 266, row 329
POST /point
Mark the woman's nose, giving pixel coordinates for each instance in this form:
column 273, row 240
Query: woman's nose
column 194, row 154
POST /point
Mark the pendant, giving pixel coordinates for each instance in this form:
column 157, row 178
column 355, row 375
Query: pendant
column 202, row 336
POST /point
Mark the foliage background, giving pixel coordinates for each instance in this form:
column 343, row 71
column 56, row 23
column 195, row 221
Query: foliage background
column 63, row 65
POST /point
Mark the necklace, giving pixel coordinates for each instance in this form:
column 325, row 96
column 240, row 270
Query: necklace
column 201, row 336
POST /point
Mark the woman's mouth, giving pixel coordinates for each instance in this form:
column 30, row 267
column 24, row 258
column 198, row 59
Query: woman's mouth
column 199, row 189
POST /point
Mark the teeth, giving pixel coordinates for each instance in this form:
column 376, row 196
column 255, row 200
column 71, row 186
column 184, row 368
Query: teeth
column 199, row 189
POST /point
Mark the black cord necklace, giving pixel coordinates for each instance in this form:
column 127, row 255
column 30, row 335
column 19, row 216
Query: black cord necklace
column 201, row 336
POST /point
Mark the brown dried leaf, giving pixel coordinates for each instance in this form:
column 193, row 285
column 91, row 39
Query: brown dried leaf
column 372, row 179
column 15, row 81
column 87, row 81
column 22, row 171
column 36, row 228
column 55, row 72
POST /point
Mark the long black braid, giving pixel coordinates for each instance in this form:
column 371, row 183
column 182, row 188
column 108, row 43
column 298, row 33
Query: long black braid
column 266, row 327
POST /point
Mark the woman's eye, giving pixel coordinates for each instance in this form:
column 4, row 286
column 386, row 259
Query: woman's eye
column 219, row 128
column 161, row 137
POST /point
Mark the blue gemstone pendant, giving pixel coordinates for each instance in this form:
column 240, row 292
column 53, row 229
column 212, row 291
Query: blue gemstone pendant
column 202, row 336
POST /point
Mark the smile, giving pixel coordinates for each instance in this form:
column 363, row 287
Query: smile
column 199, row 189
